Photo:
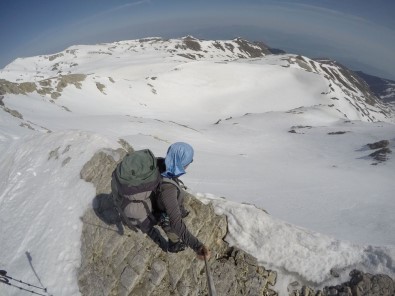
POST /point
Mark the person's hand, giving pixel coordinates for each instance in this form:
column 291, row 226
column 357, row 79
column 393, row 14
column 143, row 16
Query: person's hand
column 203, row 252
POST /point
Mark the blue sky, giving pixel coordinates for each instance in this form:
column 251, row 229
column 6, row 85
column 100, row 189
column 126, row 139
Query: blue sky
column 358, row 33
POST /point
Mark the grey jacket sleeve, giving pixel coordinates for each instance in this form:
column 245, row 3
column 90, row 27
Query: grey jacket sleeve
column 172, row 208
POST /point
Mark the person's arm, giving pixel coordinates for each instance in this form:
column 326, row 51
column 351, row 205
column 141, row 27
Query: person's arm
column 170, row 202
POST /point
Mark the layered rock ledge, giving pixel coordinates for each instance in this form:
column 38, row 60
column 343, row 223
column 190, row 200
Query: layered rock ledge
column 360, row 284
column 132, row 264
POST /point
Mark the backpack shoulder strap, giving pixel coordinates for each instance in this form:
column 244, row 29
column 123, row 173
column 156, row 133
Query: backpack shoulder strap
column 175, row 182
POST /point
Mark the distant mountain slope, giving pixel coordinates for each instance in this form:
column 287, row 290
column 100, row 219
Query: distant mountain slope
column 218, row 78
column 79, row 58
column 381, row 87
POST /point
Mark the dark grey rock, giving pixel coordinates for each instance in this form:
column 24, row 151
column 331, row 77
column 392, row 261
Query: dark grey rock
column 381, row 154
column 360, row 284
column 368, row 284
column 379, row 144
column 14, row 113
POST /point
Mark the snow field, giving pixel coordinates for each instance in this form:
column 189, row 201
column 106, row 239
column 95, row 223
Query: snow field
column 42, row 199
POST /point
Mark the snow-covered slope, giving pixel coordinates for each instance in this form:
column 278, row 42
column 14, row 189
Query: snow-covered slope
column 42, row 198
column 220, row 78
column 282, row 132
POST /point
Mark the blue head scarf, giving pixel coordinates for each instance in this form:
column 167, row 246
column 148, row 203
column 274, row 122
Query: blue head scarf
column 179, row 155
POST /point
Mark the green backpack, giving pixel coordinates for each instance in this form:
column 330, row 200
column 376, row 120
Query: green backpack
column 133, row 181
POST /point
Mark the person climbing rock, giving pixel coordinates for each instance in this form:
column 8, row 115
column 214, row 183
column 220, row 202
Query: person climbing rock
column 147, row 192
column 169, row 201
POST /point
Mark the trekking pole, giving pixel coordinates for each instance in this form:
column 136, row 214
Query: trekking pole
column 3, row 274
column 210, row 282
column 4, row 278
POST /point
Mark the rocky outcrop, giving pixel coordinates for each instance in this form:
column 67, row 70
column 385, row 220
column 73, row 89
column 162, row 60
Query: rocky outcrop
column 14, row 113
column 358, row 92
column 193, row 48
column 133, row 264
column 382, row 151
column 360, row 284
column 7, row 87
column 379, row 145
column 51, row 86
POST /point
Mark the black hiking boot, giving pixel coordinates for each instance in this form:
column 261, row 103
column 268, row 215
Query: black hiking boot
column 157, row 238
column 176, row 247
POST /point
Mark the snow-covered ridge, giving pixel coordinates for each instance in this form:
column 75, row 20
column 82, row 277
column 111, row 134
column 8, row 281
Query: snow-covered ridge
column 356, row 91
column 76, row 59
column 150, row 70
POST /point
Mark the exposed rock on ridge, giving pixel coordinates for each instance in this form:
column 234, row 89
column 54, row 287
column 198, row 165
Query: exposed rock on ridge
column 357, row 91
column 133, row 264
column 49, row 75
column 51, row 86
column 360, row 284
